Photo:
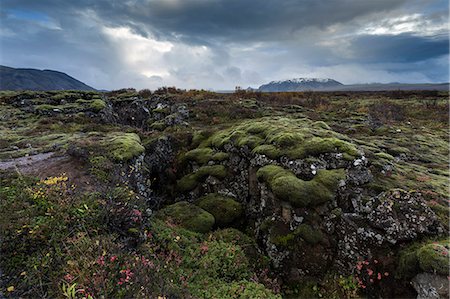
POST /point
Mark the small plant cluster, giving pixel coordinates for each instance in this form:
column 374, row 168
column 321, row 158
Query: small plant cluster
column 369, row 274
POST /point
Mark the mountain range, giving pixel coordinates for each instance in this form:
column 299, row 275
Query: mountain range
column 321, row 84
column 300, row 84
column 33, row 79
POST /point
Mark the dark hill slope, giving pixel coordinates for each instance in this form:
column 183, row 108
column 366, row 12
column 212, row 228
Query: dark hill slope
column 33, row 79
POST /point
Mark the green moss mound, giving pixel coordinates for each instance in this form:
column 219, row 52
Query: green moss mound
column 123, row 146
column 434, row 258
column 280, row 136
column 190, row 181
column 224, row 209
column 188, row 216
column 97, row 105
column 304, row 231
column 430, row 257
column 204, row 155
column 286, row 186
column 309, row 234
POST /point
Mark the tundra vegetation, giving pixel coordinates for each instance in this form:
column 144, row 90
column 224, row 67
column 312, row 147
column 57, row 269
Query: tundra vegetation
column 195, row 194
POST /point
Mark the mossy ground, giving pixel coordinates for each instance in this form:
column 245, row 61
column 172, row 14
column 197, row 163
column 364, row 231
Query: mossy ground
column 59, row 236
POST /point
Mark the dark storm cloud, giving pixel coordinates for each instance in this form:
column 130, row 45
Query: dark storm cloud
column 223, row 43
column 232, row 20
column 399, row 48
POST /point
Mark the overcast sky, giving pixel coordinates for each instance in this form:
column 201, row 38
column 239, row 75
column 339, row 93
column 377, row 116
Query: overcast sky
column 218, row 44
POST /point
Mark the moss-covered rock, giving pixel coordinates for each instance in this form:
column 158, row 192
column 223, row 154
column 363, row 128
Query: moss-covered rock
column 158, row 125
column 97, row 105
column 286, row 186
column 309, row 234
column 123, row 146
column 204, row 155
column 430, row 257
column 434, row 258
column 188, row 216
column 269, row 150
column 190, row 181
column 224, row 209
column 277, row 136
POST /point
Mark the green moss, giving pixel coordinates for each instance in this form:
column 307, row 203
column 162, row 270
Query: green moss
column 97, row 105
column 434, row 258
column 123, row 146
column 82, row 101
column 279, row 236
column 282, row 240
column 200, row 155
column 257, row 128
column 204, row 155
column 188, row 216
column 158, row 125
column 200, row 136
column 163, row 110
column 397, row 150
column 267, row 149
column 384, row 156
column 45, row 107
column 286, row 186
column 316, row 146
column 250, row 141
column 442, row 212
column 220, row 156
column 190, row 181
column 224, row 209
column 63, row 108
column 330, row 178
column 310, row 235
column 243, row 289
column 285, row 139
column 322, row 124
column 276, row 136
column 100, row 167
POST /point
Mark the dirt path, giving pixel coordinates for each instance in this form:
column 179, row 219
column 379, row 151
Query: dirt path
column 24, row 162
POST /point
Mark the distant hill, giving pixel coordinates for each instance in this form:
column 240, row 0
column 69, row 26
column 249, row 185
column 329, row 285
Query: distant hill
column 33, row 79
column 317, row 84
column 300, row 84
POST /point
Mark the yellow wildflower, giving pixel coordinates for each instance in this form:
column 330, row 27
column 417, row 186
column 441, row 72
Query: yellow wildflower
column 55, row 180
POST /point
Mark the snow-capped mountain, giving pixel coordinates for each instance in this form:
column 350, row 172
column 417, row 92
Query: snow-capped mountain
column 300, row 84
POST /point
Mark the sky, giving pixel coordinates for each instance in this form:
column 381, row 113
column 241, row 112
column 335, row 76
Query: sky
column 220, row 44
